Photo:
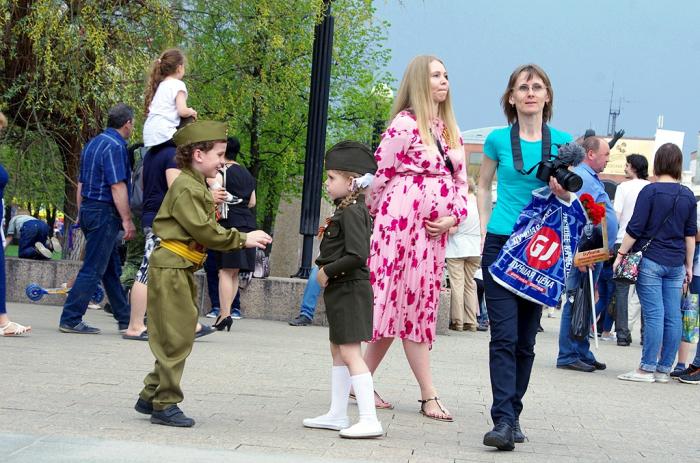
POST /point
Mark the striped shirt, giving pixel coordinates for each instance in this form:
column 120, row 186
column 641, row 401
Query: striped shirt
column 103, row 163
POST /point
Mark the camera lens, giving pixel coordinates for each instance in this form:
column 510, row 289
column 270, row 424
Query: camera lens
column 569, row 180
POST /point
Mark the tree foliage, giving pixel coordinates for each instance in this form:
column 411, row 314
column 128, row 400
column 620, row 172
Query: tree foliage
column 251, row 63
column 63, row 63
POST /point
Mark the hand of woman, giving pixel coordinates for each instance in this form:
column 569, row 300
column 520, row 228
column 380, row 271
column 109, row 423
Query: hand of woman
column 219, row 195
column 616, row 264
column 322, row 278
column 559, row 190
column 439, row 226
column 688, row 274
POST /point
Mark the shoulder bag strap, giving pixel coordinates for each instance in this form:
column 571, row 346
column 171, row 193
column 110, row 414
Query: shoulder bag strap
column 448, row 161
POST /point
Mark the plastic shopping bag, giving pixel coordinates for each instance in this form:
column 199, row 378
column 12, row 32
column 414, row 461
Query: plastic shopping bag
column 689, row 311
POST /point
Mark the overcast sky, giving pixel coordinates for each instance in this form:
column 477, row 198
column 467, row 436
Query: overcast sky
column 650, row 49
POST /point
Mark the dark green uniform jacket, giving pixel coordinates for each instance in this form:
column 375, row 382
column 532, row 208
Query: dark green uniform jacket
column 348, row 296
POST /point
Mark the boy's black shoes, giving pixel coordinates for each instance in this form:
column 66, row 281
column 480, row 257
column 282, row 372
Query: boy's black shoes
column 171, row 416
column 143, row 406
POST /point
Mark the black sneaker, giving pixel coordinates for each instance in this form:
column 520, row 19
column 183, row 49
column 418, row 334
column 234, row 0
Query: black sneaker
column 501, row 437
column 80, row 328
column 692, row 378
column 172, row 416
column 687, row 371
column 519, row 436
column 301, row 320
column 143, row 406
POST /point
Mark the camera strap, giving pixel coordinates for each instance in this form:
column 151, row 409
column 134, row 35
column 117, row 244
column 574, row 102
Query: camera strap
column 518, row 152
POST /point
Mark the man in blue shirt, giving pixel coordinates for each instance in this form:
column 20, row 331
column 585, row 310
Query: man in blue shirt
column 574, row 354
column 103, row 205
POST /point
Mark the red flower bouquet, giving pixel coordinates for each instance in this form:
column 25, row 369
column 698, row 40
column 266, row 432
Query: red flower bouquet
column 595, row 211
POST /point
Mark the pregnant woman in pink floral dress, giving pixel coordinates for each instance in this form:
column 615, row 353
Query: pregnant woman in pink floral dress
column 419, row 192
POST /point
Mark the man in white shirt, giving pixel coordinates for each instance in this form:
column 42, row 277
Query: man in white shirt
column 626, row 301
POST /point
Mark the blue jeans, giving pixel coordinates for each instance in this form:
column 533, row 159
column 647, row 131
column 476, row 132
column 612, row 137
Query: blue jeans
column 513, row 324
column 572, row 350
column 606, row 290
column 311, row 293
column 32, row 232
column 100, row 223
column 659, row 289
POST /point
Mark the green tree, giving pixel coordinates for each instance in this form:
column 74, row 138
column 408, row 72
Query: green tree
column 62, row 64
column 250, row 64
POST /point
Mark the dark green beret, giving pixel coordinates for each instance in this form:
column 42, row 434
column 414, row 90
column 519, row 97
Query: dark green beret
column 201, row 131
column 351, row 156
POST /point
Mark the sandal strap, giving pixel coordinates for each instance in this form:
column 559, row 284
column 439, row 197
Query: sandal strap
column 16, row 328
column 437, row 401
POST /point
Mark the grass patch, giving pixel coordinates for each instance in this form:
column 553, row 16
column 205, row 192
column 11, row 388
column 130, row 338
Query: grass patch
column 13, row 249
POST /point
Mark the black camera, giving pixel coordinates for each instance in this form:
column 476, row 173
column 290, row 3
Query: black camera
column 558, row 167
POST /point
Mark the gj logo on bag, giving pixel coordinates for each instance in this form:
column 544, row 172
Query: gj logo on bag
column 537, row 257
column 544, row 249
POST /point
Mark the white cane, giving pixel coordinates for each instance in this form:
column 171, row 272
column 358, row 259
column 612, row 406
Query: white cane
column 595, row 325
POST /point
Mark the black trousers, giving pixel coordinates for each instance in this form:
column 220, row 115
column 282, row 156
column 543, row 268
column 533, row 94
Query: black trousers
column 513, row 324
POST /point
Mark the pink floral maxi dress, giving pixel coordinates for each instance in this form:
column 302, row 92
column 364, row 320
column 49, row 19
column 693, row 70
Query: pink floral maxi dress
column 412, row 185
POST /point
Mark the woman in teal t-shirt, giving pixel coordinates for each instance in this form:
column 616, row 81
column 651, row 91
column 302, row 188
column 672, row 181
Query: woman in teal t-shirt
column 527, row 104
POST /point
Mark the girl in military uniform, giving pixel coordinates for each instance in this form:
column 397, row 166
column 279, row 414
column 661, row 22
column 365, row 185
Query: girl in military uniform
column 185, row 225
column 344, row 274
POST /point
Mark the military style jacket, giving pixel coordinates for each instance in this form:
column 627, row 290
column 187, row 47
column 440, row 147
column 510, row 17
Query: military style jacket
column 188, row 215
column 345, row 245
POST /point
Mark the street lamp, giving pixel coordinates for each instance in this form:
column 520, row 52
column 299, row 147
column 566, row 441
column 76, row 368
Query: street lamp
column 316, row 137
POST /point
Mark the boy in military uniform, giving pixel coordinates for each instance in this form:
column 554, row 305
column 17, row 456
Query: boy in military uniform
column 348, row 296
column 186, row 225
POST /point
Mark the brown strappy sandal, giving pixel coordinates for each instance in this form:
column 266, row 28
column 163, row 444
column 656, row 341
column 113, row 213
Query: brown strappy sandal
column 383, row 404
column 422, row 402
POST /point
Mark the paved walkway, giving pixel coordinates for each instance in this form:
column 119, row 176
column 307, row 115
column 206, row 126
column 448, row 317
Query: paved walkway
column 67, row 397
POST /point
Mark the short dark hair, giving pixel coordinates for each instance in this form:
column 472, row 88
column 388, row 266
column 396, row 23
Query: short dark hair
column 668, row 160
column 119, row 115
column 591, row 144
column 233, row 147
column 639, row 164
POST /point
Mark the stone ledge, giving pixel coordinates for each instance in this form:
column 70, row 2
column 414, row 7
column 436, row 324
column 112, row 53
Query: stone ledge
column 272, row 298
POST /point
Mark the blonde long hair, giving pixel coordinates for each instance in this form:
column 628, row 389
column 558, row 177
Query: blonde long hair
column 414, row 95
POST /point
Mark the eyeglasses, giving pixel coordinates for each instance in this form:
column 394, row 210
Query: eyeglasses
column 536, row 89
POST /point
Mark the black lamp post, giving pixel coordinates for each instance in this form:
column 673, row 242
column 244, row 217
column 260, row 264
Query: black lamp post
column 316, row 137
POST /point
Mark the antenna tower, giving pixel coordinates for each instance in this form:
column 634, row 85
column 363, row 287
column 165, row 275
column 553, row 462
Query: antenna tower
column 613, row 112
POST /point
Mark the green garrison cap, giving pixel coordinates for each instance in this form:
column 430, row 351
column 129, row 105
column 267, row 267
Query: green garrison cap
column 201, row 131
column 351, row 156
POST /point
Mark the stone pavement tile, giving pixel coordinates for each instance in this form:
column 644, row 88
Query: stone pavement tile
column 430, row 459
column 252, row 387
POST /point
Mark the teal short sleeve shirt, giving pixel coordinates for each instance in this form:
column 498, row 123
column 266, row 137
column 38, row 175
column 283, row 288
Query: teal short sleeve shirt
column 514, row 190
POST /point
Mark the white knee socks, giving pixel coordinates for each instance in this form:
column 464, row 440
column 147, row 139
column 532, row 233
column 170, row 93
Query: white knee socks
column 340, row 388
column 364, row 392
